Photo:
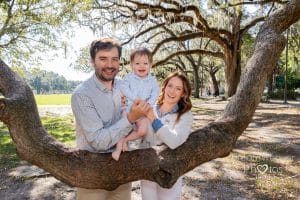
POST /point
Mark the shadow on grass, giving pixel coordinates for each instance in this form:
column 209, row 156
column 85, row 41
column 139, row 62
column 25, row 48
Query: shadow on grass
column 33, row 188
column 8, row 156
column 268, row 119
column 266, row 157
column 224, row 179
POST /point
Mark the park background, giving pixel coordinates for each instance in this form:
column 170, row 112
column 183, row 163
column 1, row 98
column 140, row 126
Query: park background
column 47, row 45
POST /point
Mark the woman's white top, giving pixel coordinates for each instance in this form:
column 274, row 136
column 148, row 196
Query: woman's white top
column 172, row 133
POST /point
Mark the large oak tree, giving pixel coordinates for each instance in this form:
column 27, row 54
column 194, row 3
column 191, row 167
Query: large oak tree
column 19, row 112
column 223, row 22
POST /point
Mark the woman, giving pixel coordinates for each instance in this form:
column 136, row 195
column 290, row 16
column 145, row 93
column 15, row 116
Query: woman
column 171, row 121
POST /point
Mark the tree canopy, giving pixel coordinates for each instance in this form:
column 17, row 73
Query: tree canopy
column 165, row 25
column 29, row 27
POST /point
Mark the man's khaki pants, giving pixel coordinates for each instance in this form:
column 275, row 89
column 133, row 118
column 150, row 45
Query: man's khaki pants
column 123, row 192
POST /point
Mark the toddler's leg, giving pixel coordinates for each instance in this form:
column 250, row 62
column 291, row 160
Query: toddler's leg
column 142, row 128
column 116, row 154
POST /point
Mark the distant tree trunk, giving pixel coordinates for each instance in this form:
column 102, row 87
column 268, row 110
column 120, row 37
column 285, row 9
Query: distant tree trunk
column 270, row 83
column 232, row 76
column 212, row 69
column 215, row 84
column 232, row 59
column 196, row 79
column 196, row 84
column 38, row 85
column 91, row 170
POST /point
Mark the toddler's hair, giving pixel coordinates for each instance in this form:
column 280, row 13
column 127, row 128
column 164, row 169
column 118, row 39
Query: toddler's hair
column 141, row 51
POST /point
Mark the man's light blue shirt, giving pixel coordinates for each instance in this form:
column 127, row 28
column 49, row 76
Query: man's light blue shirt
column 99, row 121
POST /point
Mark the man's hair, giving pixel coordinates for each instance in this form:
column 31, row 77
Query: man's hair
column 142, row 52
column 104, row 44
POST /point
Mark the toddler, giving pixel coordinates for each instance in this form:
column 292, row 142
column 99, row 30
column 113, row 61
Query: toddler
column 139, row 84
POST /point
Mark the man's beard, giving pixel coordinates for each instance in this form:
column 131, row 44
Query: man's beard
column 106, row 79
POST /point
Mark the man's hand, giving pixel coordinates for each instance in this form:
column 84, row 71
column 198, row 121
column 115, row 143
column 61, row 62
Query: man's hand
column 139, row 109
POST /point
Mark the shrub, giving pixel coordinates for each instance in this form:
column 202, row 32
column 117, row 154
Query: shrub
column 279, row 94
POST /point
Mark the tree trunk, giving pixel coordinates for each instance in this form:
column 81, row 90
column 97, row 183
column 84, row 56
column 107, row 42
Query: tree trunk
column 91, row 170
column 196, row 79
column 37, row 83
column 270, row 83
column 232, row 58
column 196, row 82
column 215, row 84
column 232, row 74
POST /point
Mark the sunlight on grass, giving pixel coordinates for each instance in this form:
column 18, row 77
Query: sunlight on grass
column 278, row 187
column 53, row 99
column 62, row 128
column 8, row 156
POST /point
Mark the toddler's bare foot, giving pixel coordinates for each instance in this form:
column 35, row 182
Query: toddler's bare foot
column 116, row 155
column 125, row 146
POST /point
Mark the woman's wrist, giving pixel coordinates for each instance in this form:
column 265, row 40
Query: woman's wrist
column 156, row 124
column 152, row 118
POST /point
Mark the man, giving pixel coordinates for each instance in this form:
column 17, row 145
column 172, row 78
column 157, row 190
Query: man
column 96, row 104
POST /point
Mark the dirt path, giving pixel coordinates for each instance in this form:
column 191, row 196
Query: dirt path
column 264, row 165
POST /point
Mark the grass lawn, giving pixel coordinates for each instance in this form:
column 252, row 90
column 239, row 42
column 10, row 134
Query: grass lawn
column 8, row 156
column 53, row 99
column 62, row 128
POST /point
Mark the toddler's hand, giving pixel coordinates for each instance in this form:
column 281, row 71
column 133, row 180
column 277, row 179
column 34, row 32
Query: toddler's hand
column 123, row 101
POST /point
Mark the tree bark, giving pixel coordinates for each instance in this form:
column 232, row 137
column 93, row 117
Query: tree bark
column 196, row 82
column 215, row 84
column 232, row 74
column 19, row 112
column 232, row 58
column 270, row 83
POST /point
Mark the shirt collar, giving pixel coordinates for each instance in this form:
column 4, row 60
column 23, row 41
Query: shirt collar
column 100, row 85
column 141, row 78
column 173, row 110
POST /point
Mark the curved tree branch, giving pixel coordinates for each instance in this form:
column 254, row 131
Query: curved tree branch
column 90, row 170
column 185, row 52
column 188, row 37
column 143, row 32
column 256, row 2
column 251, row 24
column 176, row 64
column 8, row 18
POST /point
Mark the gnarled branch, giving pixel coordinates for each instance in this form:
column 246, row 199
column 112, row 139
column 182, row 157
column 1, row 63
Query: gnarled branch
column 189, row 52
